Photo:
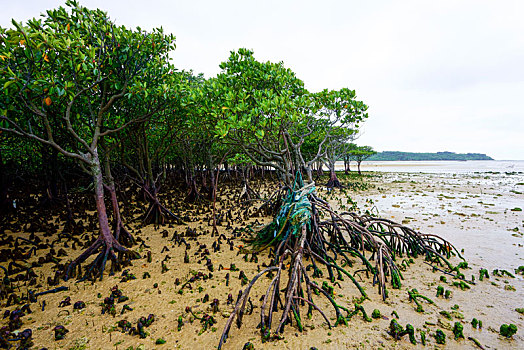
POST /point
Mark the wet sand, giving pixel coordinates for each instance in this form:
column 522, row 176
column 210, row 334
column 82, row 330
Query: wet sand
column 472, row 211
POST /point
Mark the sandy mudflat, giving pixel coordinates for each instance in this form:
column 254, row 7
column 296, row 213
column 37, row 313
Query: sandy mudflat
column 472, row 211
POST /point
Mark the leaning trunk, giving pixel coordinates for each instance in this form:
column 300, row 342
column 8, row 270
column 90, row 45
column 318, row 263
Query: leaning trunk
column 121, row 234
column 108, row 244
column 103, row 222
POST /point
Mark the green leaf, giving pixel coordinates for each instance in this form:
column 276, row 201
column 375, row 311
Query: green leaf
column 7, row 84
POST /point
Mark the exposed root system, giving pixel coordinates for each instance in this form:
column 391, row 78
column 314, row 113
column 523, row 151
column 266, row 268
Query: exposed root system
column 304, row 245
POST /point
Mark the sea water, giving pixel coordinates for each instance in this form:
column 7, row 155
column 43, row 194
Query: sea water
column 440, row 166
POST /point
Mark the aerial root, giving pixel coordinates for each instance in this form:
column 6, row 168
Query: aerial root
column 297, row 233
column 108, row 247
column 157, row 214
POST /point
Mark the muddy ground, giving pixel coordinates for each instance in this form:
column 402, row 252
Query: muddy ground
column 476, row 212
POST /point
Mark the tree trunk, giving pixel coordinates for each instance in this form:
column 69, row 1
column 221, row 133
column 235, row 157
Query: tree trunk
column 309, row 174
column 70, row 224
column 346, row 166
column 5, row 204
column 50, row 162
column 333, row 180
column 193, row 195
column 358, row 165
column 105, row 231
column 212, row 191
column 320, row 170
column 106, row 241
column 119, row 231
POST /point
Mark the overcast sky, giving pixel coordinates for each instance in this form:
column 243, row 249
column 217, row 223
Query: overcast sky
column 437, row 75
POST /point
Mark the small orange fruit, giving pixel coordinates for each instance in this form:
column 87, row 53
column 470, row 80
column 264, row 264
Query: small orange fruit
column 48, row 101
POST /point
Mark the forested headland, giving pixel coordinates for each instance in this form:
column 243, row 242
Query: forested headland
column 396, row 155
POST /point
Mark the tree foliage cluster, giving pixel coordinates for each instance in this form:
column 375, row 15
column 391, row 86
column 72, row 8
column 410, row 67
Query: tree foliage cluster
column 78, row 89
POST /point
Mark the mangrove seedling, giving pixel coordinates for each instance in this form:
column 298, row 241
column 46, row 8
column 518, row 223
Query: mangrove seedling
column 458, row 329
column 127, row 276
column 446, row 314
column 447, row 294
column 243, row 278
column 164, row 267
column 141, row 331
column 410, row 330
column 160, row 341
column 248, row 346
column 423, row 337
column 60, row 332
column 440, row 337
column 25, row 338
column 147, row 321
column 125, row 325
column 326, row 287
column 475, row 323
column 483, row 273
column 65, row 302
column 180, row 323
column 206, row 320
column 358, row 308
column 461, row 284
column 209, row 265
column 463, row 265
column 414, row 295
column 15, row 319
column 501, row 273
column 440, row 291
column 79, row 305
column 109, row 303
column 214, row 305
column 126, row 308
column 376, row 314
column 508, row 330
column 396, row 330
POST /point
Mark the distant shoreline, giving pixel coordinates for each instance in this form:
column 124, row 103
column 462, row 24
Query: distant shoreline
column 440, row 156
column 434, row 166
